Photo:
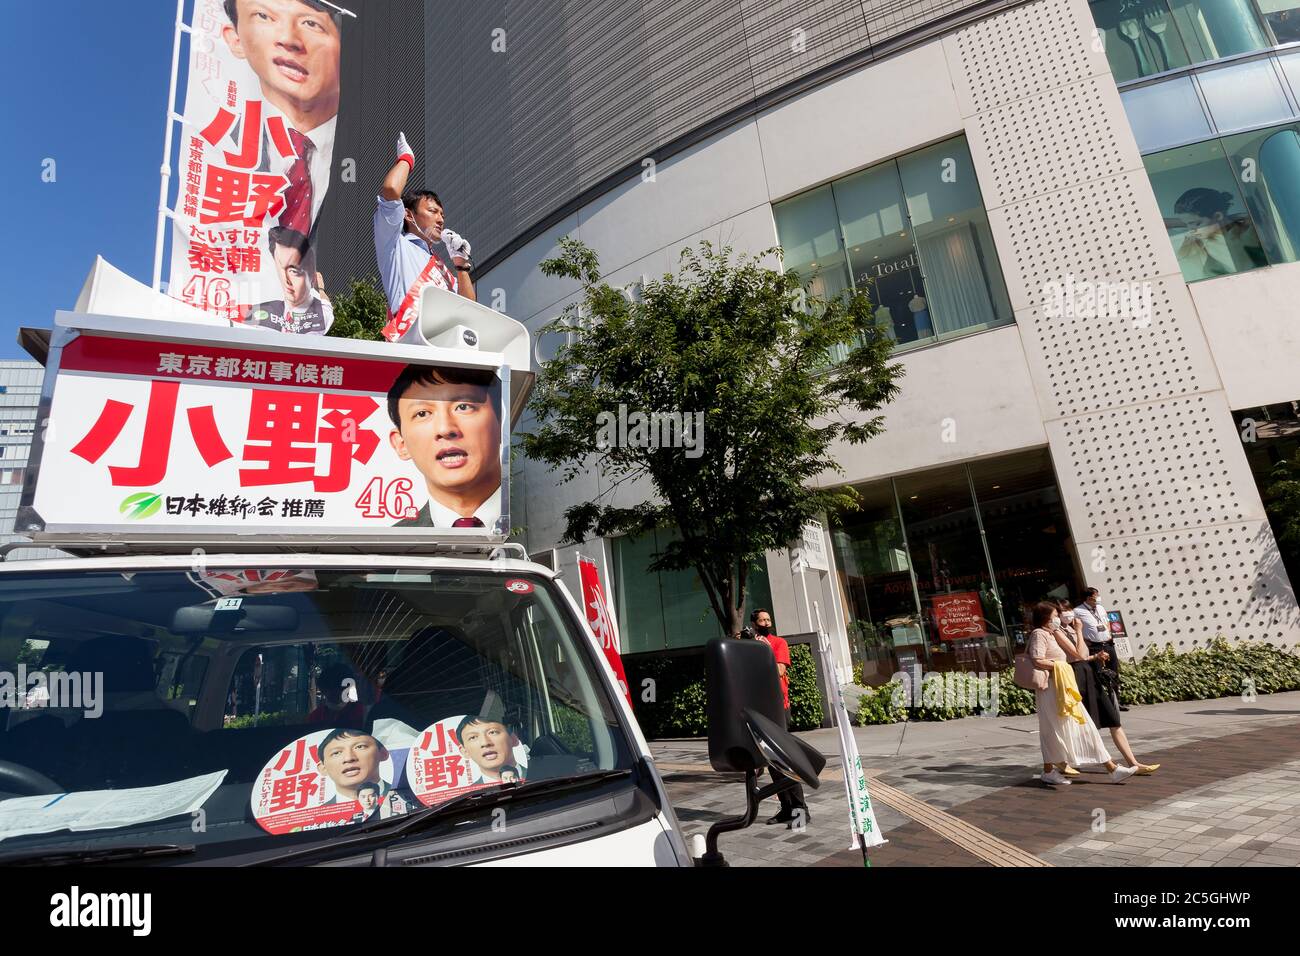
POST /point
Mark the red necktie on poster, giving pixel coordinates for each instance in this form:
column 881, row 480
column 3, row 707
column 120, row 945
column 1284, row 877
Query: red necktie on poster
column 600, row 618
column 467, row 523
column 298, row 196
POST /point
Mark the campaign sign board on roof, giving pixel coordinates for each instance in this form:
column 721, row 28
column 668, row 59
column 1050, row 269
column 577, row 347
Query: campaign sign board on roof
column 225, row 435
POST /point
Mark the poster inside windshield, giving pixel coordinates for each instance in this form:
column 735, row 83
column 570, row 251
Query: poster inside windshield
column 341, row 776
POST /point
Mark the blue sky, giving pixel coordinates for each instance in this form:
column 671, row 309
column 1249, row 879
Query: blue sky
column 84, row 84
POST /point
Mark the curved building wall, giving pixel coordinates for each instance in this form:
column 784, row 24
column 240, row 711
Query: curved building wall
column 555, row 97
column 1163, row 510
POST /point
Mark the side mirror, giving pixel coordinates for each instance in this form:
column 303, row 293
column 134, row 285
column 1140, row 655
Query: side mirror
column 745, row 716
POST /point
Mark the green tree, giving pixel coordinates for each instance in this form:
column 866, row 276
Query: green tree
column 1282, row 502
column 360, row 313
column 745, row 345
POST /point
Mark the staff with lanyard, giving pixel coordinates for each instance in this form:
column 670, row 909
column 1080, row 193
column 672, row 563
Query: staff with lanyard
column 407, row 226
column 1096, row 632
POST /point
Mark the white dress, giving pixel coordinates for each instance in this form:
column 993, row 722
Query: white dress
column 1062, row 739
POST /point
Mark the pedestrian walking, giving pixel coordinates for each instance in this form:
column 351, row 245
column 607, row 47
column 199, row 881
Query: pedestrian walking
column 1066, row 734
column 1096, row 687
column 1096, row 631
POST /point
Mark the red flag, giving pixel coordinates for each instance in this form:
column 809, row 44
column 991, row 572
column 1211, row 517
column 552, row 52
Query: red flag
column 601, row 620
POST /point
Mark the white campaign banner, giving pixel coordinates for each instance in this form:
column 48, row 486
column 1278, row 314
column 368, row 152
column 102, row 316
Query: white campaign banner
column 161, row 436
column 255, row 157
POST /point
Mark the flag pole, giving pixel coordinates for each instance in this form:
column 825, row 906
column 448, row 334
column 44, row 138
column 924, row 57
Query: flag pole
column 166, row 169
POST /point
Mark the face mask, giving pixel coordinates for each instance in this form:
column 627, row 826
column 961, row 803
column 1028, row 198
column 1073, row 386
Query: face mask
column 1067, row 617
column 1056, row 622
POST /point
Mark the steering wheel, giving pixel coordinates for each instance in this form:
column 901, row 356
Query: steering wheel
column 15, row 778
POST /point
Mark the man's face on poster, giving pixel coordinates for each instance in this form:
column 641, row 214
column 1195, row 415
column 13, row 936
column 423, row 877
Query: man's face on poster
column 488, row 745
column 352, row 761
column 291, row 46
column 369, row 799
column 453, row 434
column 293, row 277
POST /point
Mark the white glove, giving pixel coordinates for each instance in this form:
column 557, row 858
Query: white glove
column 457, row 246
column 404, row 151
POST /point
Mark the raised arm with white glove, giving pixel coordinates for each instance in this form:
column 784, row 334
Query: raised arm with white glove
column 395, row 182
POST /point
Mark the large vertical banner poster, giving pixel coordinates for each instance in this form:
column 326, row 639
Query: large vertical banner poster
column 256, row 150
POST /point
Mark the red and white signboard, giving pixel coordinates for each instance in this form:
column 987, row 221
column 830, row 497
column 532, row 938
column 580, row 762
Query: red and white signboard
column 958, row 616
column 255, row 160
column 164, row 436
column 600, row 618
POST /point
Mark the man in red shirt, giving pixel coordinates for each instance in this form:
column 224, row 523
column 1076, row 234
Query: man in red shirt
column 793, row 806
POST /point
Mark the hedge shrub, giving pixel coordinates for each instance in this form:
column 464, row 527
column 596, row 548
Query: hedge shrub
column 1222, row 669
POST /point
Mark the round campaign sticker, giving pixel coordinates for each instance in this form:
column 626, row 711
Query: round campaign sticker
column 328, row 778
column 458, row 754
column 517, row 586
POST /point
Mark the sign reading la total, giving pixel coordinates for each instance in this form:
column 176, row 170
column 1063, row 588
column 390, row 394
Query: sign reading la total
column 220, row 436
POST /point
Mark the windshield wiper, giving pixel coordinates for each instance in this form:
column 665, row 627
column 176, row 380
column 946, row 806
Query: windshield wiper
column 103, row 854
column 396, row 828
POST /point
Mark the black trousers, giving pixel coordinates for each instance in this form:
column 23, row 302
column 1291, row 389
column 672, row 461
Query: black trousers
column 793, row 798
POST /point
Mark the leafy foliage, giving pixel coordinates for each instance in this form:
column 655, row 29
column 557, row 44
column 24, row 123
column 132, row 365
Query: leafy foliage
column 360, row 313
column 747, row 347
column 1222, row 669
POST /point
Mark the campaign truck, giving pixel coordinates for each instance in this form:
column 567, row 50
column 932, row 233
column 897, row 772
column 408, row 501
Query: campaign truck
column 278, row 619
column 281, row 621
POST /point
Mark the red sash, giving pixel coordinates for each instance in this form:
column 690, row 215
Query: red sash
column 408, row 312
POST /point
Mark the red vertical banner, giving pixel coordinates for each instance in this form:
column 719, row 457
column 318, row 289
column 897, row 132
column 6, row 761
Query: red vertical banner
column 601, row 620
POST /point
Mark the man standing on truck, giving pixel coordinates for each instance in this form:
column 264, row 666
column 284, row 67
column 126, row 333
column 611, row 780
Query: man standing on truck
column 408, row 226
column 793, row 806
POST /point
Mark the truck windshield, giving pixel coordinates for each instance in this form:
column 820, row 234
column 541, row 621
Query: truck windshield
column 233, row 708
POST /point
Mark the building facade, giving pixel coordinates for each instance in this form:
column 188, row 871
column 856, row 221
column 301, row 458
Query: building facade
column 20, row 395
column 1080, row 222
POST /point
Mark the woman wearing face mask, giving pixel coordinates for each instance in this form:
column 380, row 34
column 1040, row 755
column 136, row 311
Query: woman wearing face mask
column 1098, row 695
column 1066, row 733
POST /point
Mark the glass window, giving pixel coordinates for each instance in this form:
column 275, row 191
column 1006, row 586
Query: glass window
column 1204, row 213
column 810, row 239
column 1270, row 161
column 197, row 698
column 1291, row 68
column 1282, row 17
column 1213, row 29
column 917, row 241
column 1244, row 95
column 1027, row 533
column 876, row 574
column 953, row 241
column 1166, row 114
column 881, row 254
column 959, row 607
column 667, row 609
column 1139, row 38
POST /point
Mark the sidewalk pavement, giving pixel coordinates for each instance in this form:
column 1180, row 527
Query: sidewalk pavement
column 965, row 793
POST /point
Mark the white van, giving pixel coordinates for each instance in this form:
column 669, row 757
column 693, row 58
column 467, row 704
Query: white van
column 260, row 648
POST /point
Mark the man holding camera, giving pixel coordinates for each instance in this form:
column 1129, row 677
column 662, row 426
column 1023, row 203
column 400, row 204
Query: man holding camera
column 793, row 806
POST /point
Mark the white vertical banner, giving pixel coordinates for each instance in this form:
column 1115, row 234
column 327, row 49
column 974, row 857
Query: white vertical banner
column 862, row 816
column 262, row 89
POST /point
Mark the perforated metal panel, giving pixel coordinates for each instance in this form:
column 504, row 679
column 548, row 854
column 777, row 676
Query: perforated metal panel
column 1163, row 509
column 1185, row 587
column 1021, row 52
column 1087, row 364
column 1093, row 230
column 1060, row 137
